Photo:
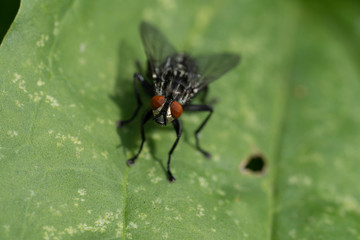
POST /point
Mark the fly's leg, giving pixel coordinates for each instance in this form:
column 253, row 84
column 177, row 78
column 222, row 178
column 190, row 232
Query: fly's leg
column 145, row 118
column 139, row 68
column 200, row 108
column 178, row 129
column 147, row 87
column 204, row 94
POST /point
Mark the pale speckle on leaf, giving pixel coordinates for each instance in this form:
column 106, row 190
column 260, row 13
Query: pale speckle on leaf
column 105, row 154
column 6, row 228
column 155, row 229
column 292, row 233
column 36, row 96
column 82, row 47
column 49, row 232
column 89, row 127
column 168, row 4
column 56, row 28
column 165, row 235
column 102, row 75
column 156, row 136
column 40, row 83
column 157, row 201
column 3, row 93
column 17, row 77
column 353, row 231
column 153, row 178
column 203, row 183
column 99, row 120
column 142, row 216
column 42, row 41
column 221, row 192
column 139, row 188
column 82, row 191
column 78, row 150
column 71, row 231
column 21, row 83
column 200, row 210
column 19, row 104
column 178, row 218
column 132, row 225
column 41, row 66
column 214, row 178
column 82, row 227
column 348, row 203
column 216, row 158
column 52, row 101
column 94, row 154
column 12, row 133
column 82, row 61
column 300, row 180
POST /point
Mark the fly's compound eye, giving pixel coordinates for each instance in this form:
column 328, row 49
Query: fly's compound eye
column 156, row 102
column 176, row 109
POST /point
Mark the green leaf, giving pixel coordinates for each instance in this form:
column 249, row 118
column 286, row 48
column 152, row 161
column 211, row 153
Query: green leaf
column 66, row 77
column 316, row 191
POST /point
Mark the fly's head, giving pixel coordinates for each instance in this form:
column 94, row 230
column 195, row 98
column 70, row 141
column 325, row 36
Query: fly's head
column 165, row 110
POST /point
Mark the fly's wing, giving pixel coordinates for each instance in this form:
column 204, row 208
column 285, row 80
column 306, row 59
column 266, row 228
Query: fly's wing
column 214, row 66
column 157, row 48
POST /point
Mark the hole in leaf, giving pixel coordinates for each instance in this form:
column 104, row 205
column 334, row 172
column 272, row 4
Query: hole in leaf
column 254, row 164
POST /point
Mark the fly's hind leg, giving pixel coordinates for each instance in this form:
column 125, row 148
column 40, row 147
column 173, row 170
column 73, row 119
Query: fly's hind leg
column 137, row 78
column 200, row 108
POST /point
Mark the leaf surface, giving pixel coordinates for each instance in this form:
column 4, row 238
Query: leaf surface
column 66, row 77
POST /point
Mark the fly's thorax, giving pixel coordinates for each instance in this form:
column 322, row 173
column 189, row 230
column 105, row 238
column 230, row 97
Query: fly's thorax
column 165, row 110
column 176, row 84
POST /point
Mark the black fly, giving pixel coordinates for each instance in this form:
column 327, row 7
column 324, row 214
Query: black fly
column 173, row 79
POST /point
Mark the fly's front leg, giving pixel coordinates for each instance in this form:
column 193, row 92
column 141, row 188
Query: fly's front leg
column 137, row 77
column 178, row 129
column 200, row 108
column 145, row 118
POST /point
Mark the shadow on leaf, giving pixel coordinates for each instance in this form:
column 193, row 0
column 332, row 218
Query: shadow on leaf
column 124, row 97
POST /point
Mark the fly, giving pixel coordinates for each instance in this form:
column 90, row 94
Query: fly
column 172, row 80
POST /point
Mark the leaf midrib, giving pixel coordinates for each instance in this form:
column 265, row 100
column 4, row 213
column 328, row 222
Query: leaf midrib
column 284, row 102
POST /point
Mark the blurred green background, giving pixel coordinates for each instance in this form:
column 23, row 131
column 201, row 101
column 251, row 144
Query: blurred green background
column 8, row 10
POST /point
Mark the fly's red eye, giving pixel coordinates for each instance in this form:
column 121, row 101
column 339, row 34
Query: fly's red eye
column 176, row 109
column 156, row 102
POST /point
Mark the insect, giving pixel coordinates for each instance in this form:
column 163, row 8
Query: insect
column 173, row 79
